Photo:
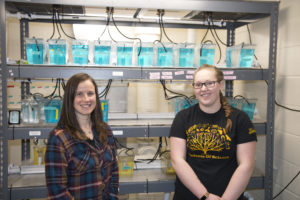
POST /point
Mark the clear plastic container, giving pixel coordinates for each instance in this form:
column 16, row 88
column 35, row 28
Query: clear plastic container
column 246, row 105
column 186, row 55
column 146, row 57
column 125, row 162
column 80, row 52
column 39, row 150
column 30, row 110
column 36, row 51
column 52, row 110
column 249, row 107
column 102, row 52
column 240, row 55
column 206, row 54
column 104, row 109
column 124, row 54
column 166, row 165
column 182, row 103
column 58, row 51
column 165, row 56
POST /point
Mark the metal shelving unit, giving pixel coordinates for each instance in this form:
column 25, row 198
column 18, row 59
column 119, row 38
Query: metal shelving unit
column 236, row 13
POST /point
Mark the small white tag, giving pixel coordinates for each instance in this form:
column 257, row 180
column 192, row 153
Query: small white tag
column 34, row 133
column 179, row 73
column 118, row 73
column 118, row 132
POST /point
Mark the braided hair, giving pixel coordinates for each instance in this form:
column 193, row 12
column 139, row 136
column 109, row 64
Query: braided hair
column 224, row 103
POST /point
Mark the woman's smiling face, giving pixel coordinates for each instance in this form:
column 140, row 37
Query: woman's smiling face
column 85, row 98
column 207, row 89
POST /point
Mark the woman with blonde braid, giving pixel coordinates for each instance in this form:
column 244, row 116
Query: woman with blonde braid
column 212, row 144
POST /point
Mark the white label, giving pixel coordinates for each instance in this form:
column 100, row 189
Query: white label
column 120, row 73
column 228, row 72
column 166, row 77
column 189, row 77
column 190, row 72
column 179, row 73
column 154, row 75
column 35, row 133
column 230, row 77
column 118, row 132
column 166, row 73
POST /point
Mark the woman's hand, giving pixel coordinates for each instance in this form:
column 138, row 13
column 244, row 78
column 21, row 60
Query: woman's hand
column 213, row 197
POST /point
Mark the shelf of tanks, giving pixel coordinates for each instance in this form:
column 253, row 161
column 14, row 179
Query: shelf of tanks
column 122, row 73
column 120, row 128
column 141, row 181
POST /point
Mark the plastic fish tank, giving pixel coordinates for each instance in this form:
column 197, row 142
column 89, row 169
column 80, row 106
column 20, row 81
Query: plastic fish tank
column 52, row 110
column 207, row 54
column 80, row 52
column 240, row 55
column 183, row 103
column 104, row 109
column 186, row 55
column 102, row 52
column 146, row 57
column 36, row 51
column 166, row 165
column 124, row 53
column 125, row 162
column 246, row 105
column 58, row 51
column 30, row 110
column 249, row 107
column 165, row 55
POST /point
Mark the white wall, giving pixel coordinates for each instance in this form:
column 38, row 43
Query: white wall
column 287, row 126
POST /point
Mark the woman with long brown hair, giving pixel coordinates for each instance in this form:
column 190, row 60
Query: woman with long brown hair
column 80, row 159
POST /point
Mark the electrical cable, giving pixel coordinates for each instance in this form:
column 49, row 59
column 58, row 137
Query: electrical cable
column 112, row 17
column 121, row 145
column 157, row 152
column 160, row 35
column 291, row 109
column 287, row 185
column 53, row 23
column 163, row 83
column 212, row 22
column 105, row 90
column 59, row 21
column 250, row 41
column 163, row 28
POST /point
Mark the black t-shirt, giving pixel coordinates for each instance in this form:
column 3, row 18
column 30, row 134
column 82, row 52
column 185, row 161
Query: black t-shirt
column 211, row 152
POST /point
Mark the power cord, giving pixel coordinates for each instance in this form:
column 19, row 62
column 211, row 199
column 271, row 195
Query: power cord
column 287, row 185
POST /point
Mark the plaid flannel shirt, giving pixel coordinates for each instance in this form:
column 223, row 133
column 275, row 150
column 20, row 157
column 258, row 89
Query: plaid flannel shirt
column 78, row 170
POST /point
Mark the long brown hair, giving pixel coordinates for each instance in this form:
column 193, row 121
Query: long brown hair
column 225, row 105
column 68, row 119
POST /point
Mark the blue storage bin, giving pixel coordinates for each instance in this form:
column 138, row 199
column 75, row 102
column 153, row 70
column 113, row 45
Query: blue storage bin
column 124, row 54
column 186, row 55
column 165, row 56
column 102, row 52
column 52, row 109
column 80, row 52
column 58, row 51
column 36, row 51
column 240, row 55
column 146, row 57
column 207, row 54
column 182, row 103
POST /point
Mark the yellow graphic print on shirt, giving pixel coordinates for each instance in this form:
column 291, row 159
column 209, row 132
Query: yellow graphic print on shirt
column 207, row 138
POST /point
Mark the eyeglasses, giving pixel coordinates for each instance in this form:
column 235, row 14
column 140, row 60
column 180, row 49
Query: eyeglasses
column 208, row 84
